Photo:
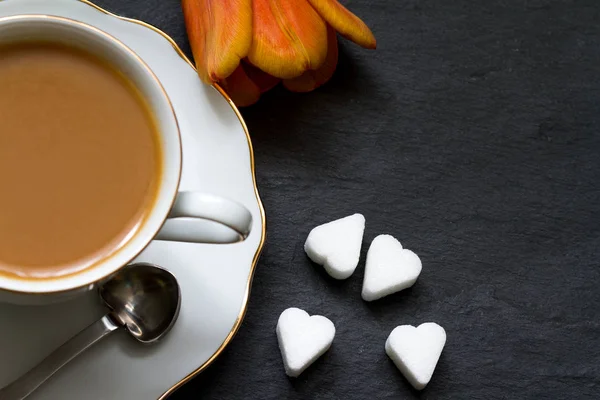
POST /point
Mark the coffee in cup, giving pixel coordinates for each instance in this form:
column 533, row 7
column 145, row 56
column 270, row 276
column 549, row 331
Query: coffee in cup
column 79, row 159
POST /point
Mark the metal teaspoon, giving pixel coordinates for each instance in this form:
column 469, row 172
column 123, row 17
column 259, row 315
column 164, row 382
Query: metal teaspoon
column 143, row 298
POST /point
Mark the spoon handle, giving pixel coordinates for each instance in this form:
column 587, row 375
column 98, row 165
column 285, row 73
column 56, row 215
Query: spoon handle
column 26, row 384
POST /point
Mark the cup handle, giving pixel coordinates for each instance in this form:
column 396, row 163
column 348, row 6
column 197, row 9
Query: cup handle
column 206, row 207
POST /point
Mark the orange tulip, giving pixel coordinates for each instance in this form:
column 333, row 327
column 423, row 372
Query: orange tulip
column 249, row 46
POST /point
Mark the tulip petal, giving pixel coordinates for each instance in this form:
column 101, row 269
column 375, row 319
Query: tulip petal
column 287, row 38
column 263, row 80
column 346, row 23
column 220, row 35
column 240, row 88
column 310, row 80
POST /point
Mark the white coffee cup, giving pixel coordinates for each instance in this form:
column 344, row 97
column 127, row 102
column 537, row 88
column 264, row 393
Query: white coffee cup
column 169, row 202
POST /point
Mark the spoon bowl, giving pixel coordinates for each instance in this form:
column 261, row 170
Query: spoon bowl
column 145, row 299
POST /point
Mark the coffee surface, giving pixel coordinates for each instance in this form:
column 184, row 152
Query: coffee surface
column 79, row 160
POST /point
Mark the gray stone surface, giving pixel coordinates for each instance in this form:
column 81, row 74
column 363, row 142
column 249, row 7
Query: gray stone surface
column 472, row 135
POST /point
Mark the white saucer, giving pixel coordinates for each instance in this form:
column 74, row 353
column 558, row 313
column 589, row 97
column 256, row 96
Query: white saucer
column 215, row 279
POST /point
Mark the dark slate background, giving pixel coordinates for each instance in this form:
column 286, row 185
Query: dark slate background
column 472, row 135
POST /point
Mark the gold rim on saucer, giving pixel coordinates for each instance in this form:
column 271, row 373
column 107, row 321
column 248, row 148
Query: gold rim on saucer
column 242, row 313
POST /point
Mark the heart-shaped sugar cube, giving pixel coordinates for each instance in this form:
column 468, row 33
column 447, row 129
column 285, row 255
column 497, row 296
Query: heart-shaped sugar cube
column 389, row 268
column 336, row 245
column 416, row 351
column 302, row 339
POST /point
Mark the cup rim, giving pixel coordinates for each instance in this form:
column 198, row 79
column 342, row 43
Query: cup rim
column 88, row 284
